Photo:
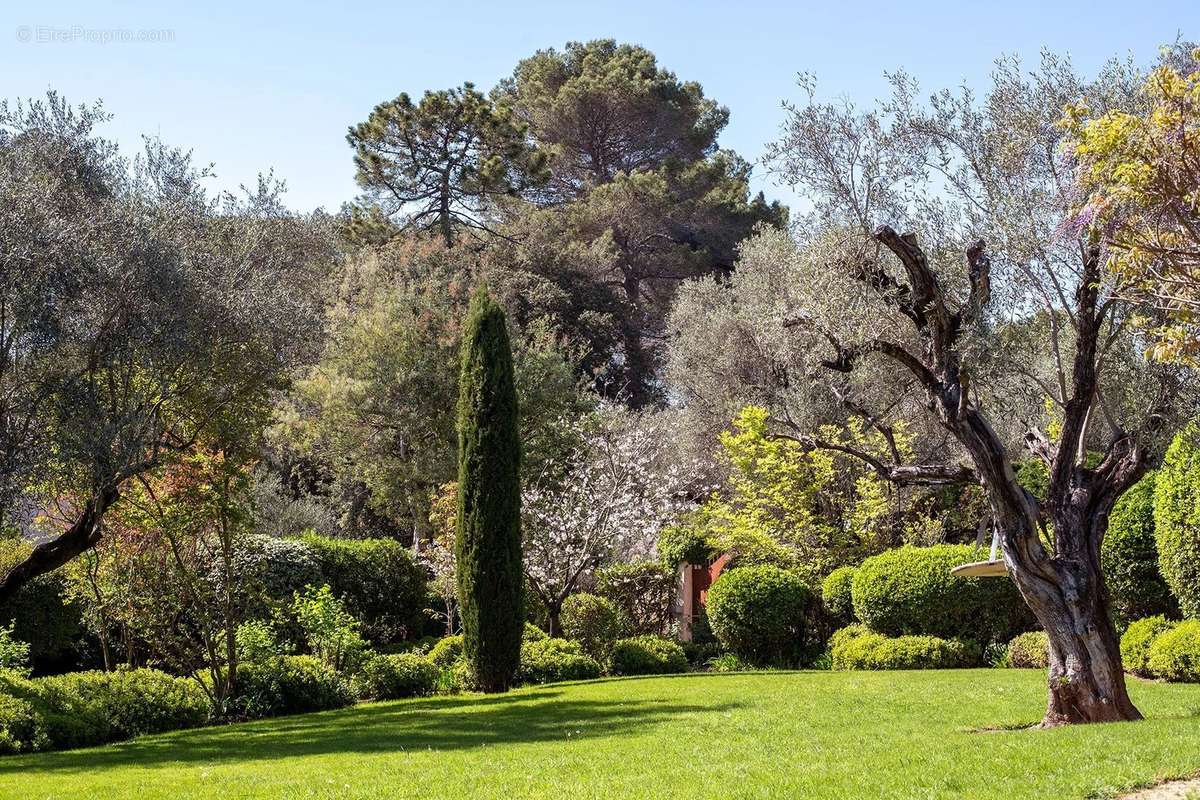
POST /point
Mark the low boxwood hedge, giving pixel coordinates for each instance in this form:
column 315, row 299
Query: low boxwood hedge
column 1029, row 650
column 1135, row 643
column 1175, row 653
column 857, row 647
column 647, row 655
column 391, row 677
column 552, row 660
column 81, row 709
column 289, row 685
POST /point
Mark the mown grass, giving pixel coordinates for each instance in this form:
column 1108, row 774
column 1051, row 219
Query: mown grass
column 787, row 735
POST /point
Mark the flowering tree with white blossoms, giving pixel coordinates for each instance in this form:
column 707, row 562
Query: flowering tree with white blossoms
column 607, row 500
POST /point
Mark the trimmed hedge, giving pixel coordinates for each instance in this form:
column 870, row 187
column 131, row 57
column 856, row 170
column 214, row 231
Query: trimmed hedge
column 391, row 677
column 1129, row 558
column 593, row 621
column 289, row 685
column 1135, row 643
column 552, row 660
column 647, row 655
column 836, row 595
column 1029, row 651
column 1175, row 653
column 82, row 709
column 1177, row 519
column 759, row 613
column 857, row 648
column 910, row 591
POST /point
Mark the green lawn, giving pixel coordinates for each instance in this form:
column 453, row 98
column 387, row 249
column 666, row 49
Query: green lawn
column 792, row 735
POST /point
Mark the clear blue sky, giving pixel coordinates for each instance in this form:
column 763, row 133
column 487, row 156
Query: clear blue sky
column 253, row 85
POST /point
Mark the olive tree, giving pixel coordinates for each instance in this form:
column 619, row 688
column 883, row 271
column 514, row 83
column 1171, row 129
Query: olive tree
column 136, row 315
column 944, row 276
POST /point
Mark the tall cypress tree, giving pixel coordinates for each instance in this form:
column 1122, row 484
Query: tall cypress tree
column 488, row 544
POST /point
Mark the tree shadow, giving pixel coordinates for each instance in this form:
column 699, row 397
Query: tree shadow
column 442, row 723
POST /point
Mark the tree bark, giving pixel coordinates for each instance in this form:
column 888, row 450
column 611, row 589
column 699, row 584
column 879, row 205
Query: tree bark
column 48, row 556
column 1086, row 682
column 1060, row 581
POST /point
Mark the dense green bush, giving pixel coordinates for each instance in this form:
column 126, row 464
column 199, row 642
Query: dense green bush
column 40, row 615
column 22, row 728
column 647, row 655
column 727, row 662
column 1129, row 558
column 758, row 613
column 1135, row 643
column 533, row 633
column 380, row 582
column 1177, row 519
column 643, row 591
column 447, row 651
column 275, row 569
column 836, row 595
column 289, row 685
column 1029, row 650
column 910, row 591
column 391, row 677
column 80, row 709
column 1175, row 653
column 550, row 660
column 684, row 544
column 594, row 622
column 858, row 648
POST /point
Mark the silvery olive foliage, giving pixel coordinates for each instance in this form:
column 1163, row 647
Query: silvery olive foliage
column 137, row 313
column 952, row 169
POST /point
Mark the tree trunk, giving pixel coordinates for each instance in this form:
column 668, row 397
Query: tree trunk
column 554, row 615
column 1085, row 680
column 48, row 556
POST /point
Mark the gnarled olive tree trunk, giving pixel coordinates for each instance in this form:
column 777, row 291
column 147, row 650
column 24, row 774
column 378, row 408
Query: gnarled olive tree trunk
column 1051, row 547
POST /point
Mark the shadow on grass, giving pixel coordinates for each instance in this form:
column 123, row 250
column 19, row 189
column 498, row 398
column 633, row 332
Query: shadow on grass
column 442, row 723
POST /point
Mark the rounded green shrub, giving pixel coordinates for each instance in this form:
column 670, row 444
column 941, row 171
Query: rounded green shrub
column 1135, row 643
column 759, row 613
column 90, row 708
column 910, row 591
column 391, row 677
column 552, row 660
column 594, row 622
column 533, row 633
column 1175, row 654
column 874, row 651
column 1030, row 650
column 1129, row 557
column 22, row 728
column 1177, row 519
column 647, row 655
column 835, row 594
column 289, row 685
column 447, row 651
